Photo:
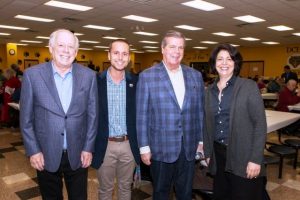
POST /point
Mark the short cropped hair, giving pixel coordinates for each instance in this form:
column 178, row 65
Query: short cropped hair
column 234, row 54
column 53, row 36
column 287, row 67
column 118, row 40
column 172, row 33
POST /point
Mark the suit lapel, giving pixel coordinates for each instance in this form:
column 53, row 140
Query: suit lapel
column 130, row 92
column 188, row 86
column 47, row 75
column 102, row 88
column 76, row 83
column 167, row 83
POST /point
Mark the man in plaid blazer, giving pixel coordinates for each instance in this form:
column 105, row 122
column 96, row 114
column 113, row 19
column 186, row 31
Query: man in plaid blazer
column 170, row 119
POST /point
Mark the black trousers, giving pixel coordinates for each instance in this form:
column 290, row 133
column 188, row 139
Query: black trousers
column 51, row 184
column 228, row 186
column 179, row 174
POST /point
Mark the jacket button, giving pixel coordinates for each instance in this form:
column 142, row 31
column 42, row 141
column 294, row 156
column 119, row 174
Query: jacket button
column 66, row 117
column 62, row 134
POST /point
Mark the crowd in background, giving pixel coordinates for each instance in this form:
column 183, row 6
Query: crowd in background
column 10, row 90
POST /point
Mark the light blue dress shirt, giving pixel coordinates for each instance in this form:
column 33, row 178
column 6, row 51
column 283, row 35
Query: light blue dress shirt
column 64, row 87
column 116, row 100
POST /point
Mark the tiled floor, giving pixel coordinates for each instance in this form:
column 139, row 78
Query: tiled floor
column 18, row 179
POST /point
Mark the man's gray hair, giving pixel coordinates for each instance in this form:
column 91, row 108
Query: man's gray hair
column 172, row 33
column 53, row 36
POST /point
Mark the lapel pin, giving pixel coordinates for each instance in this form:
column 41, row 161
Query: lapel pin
column 130, row 85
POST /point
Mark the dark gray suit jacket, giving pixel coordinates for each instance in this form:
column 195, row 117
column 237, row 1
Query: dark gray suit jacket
column 43, row 119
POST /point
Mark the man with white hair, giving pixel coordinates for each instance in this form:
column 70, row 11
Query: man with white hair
column 58, row 119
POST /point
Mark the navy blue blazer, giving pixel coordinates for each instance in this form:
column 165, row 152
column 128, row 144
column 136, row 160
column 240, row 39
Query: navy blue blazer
column 103, row 130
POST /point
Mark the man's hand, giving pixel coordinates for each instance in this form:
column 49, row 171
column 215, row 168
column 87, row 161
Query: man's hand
column 146, row 158
column 200, row 148
column 37, row 161
column 86, row 159
column 253, row 170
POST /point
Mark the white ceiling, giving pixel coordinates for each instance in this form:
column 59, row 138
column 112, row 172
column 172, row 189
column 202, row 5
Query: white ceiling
column 169, row 13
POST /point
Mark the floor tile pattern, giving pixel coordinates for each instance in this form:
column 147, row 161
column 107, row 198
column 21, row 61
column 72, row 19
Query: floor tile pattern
column 18, row 180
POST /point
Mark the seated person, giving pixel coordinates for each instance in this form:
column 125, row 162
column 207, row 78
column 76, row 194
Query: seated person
column 261, row 84
column 289, row 96
column 274, row 86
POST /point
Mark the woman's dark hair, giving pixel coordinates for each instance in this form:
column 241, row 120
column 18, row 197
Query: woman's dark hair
column 234, row 54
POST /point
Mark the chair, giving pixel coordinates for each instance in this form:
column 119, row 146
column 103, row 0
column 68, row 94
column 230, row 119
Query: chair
column 268, row 159
column 203, row 182
column 282, row 151
column 294, row 143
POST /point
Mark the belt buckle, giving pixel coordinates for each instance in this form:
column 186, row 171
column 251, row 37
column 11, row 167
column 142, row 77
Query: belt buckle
column 119, row 138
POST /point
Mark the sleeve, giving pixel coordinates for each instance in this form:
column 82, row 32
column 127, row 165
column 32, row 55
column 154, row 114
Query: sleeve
column 143, row 112
column 27, row 117
column 258, row 118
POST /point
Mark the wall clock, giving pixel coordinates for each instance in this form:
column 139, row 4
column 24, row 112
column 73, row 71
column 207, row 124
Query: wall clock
column 11, row 52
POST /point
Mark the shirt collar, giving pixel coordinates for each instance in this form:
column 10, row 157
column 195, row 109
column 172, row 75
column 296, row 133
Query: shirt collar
column 172, row 72
column 230, row 82
column 55, row 71
column 109, row 79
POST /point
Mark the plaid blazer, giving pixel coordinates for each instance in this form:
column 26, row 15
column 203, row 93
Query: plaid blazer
column 161, row 124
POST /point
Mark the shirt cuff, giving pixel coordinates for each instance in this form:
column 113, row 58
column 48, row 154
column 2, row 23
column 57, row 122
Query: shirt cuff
column 200, row 142
column 145, row 149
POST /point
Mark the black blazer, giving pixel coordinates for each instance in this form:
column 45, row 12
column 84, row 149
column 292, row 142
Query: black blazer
column 103, row 130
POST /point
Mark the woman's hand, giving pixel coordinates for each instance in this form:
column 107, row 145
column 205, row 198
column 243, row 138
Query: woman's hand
column 252, row 170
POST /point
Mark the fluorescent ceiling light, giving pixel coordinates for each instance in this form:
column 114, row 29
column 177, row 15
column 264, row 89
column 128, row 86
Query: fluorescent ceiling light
column 202, row 5
column 132, row 49
column 5, row 34
column 101, row 47
column 188, row 39
column 200, row 47
column 297, row 34
column 139, row 18
column 78, row 34
column 19, row 44
column 148, row 42
column 89, row 41
column 31, row 41
column 150, row 47
column 187, row 27
column 271, row 43
column 98, row 27
column 149, row 50
column 250, row 39
column 249, row 19
column 235, row 45
column 88, row 49
column 14, row 27
column 224, row 34
column 39, row 19
column 43, row 37
column 138, row 51
column 70, row 6
column 112, row 38
column 281, row 28
column 209, row 42
column 145, row 33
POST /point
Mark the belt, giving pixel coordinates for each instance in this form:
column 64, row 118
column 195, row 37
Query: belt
column 118, row 139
